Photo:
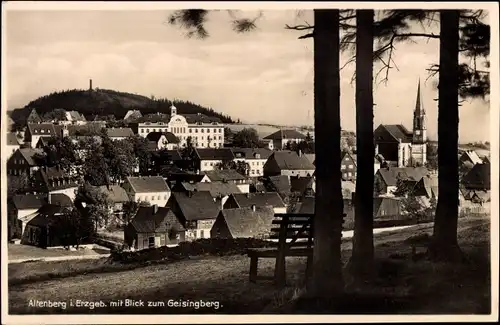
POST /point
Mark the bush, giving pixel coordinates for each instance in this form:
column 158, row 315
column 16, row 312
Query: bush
column 200, row 247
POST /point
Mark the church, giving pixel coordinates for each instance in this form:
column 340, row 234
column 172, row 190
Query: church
column 401, row 147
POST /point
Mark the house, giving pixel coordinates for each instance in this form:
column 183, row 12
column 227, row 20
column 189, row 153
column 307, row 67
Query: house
column 349, row 164
column 163, row 140
column 117, row 196
column 288, row 163
column 470, row 157
column 74, row 117
column 185, row 177
column 152, row 189
column 303, row 186
column 12, row 144
column 229, row 176
column 348, row 188
column 196, row 210
column 208, row 158
column 256, row 158
column 35, row 131
column 220, row 191
column 246, row 200
column 132, row 115
column 279, row 184
column 307, row 206
column 251, row 222
column 119, row 133
column 33, row 117
column 281, row 138
column 53, row 180
column 387, row 208
column 478, row 178
column 386, row 179
column 24, row 161
column 153, row 227
column 311, row 157
column 45, row 229
column 19, row 207
column 427, row 187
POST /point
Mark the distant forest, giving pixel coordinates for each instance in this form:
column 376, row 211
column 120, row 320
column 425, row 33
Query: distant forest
column 104, row 102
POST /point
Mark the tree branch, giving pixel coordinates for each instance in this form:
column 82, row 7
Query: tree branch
column 299, row 27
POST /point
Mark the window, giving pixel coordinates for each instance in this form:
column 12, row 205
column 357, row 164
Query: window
column 146, row 198
column 202, row 130
column 220, row 130
column 151, row 242
column 211, row 164
column 220, row 138
column 208, row 130
column 147, row 130
column 206, row 164
column 202, row 233
column 159, row 197
column 195, row 130
column 190, row 130
column 350, row 166
column 349, row 174
column 152, row 198
column 165, row 197
column 142, row 130
column 343, row 167
column 202, row 138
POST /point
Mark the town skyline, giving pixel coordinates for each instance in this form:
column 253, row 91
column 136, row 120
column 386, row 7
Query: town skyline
column 243, row 75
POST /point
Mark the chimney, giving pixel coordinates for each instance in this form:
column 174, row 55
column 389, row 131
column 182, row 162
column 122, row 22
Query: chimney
column 155, row 208
column 90, row 85
column 253, row 207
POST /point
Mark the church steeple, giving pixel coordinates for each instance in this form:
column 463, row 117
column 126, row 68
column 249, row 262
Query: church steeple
column 419, row 125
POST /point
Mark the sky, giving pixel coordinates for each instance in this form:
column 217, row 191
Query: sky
column 265, row 76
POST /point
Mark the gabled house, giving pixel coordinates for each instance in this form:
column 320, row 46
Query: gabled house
column 478, row 178
column 74, row 117
column 281, row 138
column 12, row 144
column 229, row 176
column 153, row 227
column 35, row 131
column 220, row 191
column 117, row 196
column 163, row 140
column 427, row 186
column 44, row 229
column 119, row 133
column 20, row 207
column 132, row 115
column 348, row 166
column 184, row 177
column 469, row 156
column 152, row 189
column 252, row 222
column 387, row 208
column 208, row 158
column 196, row 211
column 386, row 179
column 256, row 158
column 33, row 117
column 24, row 161
column 303, row 186
column 288, row 163
column 53, row 180
column 247, row 200
column 279, row 184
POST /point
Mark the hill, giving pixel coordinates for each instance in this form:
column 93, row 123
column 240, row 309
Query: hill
column 103, row 102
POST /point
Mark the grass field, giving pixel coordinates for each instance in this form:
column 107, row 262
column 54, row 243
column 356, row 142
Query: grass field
column 225, row 279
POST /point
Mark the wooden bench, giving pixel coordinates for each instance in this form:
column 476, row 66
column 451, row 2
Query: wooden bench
column 294, row 236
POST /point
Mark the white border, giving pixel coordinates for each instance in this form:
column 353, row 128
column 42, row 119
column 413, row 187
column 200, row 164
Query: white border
column 492, row 7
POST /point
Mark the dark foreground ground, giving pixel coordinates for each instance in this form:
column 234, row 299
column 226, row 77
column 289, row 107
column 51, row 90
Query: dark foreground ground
column 403, row 286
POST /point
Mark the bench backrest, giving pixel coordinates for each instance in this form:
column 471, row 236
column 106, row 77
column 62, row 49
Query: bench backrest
column 293, row 230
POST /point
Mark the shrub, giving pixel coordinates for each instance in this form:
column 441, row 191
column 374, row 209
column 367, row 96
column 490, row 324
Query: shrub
column 200, row 247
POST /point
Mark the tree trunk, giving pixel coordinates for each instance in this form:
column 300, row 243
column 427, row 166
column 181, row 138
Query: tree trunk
column 444, row 245
column 361, row 263
column 326, row 279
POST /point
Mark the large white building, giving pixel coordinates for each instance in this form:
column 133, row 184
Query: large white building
column 205, row 132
